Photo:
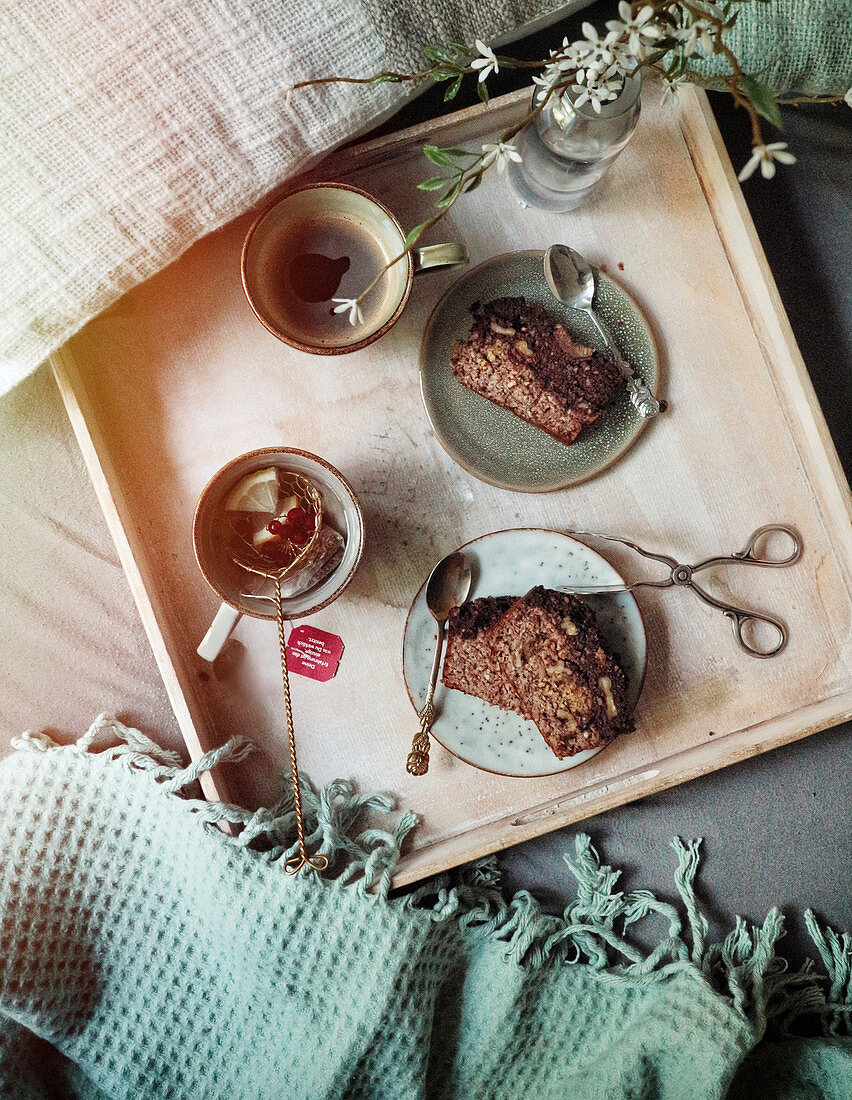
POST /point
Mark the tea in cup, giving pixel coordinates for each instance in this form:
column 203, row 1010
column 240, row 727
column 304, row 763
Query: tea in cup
column 226, row 530
column 321, row 247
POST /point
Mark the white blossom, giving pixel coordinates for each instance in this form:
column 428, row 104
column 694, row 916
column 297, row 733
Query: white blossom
column 563, row 61
column 548, row 79
column 671, row 87
column 640, row 30
column 847, row 99
column 500, row 154
column 623, row 60
column 356, row 317
column 593, row 51
column 766, row 156
column 567, row 57
column 695, row 37
column 596, row 88
column 487, row 63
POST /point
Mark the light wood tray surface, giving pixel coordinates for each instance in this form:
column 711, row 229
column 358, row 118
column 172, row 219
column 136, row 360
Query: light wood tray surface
column 179, row 377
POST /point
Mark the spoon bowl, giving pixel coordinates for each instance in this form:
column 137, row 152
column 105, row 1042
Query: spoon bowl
column 570, row 278
column 448, row 586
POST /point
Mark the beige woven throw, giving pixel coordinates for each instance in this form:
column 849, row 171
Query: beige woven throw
column 131, row 128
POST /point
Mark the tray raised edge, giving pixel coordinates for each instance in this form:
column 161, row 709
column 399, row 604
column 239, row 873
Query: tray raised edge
column 796, row 395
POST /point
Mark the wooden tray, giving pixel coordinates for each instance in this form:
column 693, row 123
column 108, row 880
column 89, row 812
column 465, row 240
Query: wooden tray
column 178, row 378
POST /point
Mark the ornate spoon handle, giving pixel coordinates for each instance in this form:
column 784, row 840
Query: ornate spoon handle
column 640, row 396
column 642, row 399
column 418, row 759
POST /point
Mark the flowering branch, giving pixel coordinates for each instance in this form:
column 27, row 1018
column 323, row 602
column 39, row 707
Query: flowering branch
column 832, row 99
column 465, row 178
column 667, row 36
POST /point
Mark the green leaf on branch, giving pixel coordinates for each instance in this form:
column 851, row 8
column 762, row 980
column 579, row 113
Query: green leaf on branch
column 414, row 233
column 453, row 89
column 438, row 53
column 483, row 92
column 763, row 99
column 473, row 184
column 450, row 197
column 438, row 156
column 656, row 56
column 434, row 183
column 465, row 51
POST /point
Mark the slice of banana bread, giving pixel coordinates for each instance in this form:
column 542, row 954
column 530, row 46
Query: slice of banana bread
column 548, row 646
column 520, row 357
column 469, row 662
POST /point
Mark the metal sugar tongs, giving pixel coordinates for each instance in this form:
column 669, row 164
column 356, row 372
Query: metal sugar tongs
column 682, row 576
column 309, row 499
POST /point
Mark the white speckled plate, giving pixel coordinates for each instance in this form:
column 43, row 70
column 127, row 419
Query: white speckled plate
column 510, row 563
column 490, row 442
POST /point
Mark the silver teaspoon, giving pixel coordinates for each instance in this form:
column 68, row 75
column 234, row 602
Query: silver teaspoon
column 448, row 587
column 572, row 281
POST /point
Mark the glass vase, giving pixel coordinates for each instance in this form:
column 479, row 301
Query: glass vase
column 568, row 149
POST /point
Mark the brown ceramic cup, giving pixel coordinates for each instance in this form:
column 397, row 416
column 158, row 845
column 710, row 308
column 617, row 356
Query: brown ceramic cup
column 323, row 243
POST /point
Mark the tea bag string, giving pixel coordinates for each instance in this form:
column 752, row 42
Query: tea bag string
column 295, row 862
column 311, row 498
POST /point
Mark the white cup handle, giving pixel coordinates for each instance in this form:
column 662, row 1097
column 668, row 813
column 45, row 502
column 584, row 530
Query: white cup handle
column 226, row 619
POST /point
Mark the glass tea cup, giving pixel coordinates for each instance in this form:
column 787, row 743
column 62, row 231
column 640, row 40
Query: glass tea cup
column 235, row 586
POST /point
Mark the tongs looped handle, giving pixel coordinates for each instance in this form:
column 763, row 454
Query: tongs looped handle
column 749, row 554
column 741, row 618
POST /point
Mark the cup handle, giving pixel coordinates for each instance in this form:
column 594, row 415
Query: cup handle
column 226, row 619
column 439, row 255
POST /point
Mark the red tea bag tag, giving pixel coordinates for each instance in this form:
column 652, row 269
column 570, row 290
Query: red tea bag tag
column 313, row 653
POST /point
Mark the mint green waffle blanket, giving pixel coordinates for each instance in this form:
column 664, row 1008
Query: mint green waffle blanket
column 797, row 47
column 144, row 953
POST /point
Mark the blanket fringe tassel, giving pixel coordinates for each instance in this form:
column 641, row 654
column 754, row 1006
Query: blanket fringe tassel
column 744, row 967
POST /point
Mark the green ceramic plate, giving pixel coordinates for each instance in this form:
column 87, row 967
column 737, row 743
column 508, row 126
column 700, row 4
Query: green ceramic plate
column 490, row 442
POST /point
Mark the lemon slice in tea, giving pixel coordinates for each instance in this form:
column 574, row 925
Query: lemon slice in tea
column 257, row 492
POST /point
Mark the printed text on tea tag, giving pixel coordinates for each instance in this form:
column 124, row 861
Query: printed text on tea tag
column 314, row 653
